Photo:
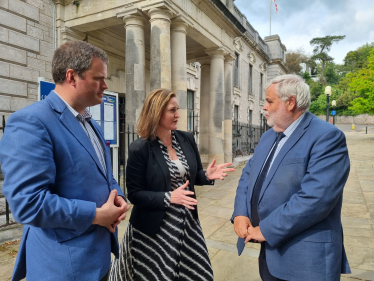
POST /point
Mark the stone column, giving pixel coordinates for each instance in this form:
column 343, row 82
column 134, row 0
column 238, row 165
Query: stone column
column 216, row 104
column 228, row 109
column 204, row 112
column 135, row 67
column 178, row 68
column 160, row 48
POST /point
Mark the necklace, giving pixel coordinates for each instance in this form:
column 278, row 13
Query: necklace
column 167, row 146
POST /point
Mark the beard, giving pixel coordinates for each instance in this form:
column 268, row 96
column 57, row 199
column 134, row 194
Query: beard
column 279, row 119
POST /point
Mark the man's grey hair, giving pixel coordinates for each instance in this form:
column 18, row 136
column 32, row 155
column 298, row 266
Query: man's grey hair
column 292, row 85
column 76, row 55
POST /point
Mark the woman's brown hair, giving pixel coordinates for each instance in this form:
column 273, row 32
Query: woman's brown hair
column 151, row 112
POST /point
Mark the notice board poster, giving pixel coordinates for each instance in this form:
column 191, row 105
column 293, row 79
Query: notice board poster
column 44, row 88
column 106, row 114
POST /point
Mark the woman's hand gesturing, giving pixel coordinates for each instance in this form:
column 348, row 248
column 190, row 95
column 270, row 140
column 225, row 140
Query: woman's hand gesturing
column 214, row 172
column 179, row 196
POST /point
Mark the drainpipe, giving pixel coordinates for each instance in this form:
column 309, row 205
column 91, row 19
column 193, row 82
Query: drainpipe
column 54, row 25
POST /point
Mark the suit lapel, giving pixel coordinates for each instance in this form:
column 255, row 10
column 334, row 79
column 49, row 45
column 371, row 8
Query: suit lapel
column 72, row 124
column 294, row 138
column 258, row 160
column 156, row 149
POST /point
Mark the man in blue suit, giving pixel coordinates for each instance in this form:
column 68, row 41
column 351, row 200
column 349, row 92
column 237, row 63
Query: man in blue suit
column 289, row 196
column 58, row 175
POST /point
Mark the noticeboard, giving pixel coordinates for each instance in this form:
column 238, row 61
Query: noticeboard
column 44, row 88
column 106, row 113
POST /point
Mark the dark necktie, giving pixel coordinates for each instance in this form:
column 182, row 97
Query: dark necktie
column 260, row 181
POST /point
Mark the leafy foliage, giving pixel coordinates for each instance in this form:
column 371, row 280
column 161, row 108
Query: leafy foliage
column 322, row 45
column 294, row 58
column 352, row 83
column 362, row 84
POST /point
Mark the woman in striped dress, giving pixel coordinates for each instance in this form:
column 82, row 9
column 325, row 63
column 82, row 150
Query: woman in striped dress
column 164, row 240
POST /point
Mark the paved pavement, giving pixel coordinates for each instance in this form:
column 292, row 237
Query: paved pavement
column 216, row 206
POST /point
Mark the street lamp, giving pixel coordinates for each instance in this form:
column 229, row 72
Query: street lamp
column 327, row 93
column 333, row 108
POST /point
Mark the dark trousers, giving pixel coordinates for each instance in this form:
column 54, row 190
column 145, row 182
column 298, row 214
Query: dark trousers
column 263, row 267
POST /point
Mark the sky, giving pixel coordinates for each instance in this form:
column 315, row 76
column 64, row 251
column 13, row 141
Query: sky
column 299, row 21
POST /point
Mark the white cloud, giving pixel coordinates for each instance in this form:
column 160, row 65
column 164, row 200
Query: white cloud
column 300, row 21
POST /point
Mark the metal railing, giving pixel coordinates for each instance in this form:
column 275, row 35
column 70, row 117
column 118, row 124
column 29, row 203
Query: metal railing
column 7, row 210
column 193, row 124
column 245, row 138
column 127, row 136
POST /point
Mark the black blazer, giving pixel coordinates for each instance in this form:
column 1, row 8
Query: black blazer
column 148, row 178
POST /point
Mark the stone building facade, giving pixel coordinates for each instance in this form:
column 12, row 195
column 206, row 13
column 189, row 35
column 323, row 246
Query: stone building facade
column 205, row 50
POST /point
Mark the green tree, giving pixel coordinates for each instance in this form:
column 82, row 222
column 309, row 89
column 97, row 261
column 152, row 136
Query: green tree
column 322, row 45
column 331, row 73
column 362, row 85
column 359, row 58
column 315, row 88
column 294, row 58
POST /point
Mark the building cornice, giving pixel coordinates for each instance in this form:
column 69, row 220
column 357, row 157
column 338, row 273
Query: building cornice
column 281, row 63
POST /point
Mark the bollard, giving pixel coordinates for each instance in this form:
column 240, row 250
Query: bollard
column 366, row 129
column 353, row 126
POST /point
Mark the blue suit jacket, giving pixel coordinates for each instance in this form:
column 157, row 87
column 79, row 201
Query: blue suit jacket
column 54, row 182
column 300, row 202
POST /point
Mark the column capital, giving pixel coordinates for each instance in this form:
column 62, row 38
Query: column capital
column 160, row 14
column 134, row 20
column 69, row 34
column 179, row 25
column 216, row 52
column 230, row 58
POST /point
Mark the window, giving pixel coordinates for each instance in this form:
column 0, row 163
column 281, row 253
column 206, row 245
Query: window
column 236, row 118
column 261, row 86
column 250, row 80
column 236, row 71
column 190, row 111
column 250, row 117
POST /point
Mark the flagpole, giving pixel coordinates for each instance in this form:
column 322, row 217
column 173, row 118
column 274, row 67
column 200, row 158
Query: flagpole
column 270, row 18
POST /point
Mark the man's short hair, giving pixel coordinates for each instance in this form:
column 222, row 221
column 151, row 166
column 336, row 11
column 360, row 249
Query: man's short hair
column 292, row 85
column 76, row 55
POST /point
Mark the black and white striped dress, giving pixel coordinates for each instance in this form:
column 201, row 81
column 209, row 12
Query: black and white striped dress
column 177, row 252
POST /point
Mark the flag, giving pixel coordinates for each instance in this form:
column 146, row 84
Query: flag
column 276, row 6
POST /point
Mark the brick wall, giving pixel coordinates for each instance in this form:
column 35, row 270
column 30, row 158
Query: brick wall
column 26, row 49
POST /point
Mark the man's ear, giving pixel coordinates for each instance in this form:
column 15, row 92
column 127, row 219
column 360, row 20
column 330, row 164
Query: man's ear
column 291, row 103
column 70, row 77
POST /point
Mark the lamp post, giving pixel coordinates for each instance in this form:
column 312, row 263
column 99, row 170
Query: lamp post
column 333, row 108
column 328, row 94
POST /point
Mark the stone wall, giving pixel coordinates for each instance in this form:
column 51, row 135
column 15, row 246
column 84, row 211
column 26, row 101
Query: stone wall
column 362, row 119
column 26, row 49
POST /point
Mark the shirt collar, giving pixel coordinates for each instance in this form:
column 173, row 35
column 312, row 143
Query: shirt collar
column 85, row 114
column 288, row 132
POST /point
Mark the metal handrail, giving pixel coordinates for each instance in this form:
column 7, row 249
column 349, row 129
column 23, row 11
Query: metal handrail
column 7, row 210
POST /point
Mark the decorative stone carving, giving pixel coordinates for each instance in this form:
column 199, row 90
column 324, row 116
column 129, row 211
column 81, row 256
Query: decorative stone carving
column 263, row 67
column 252, row 57
column 238, row 44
